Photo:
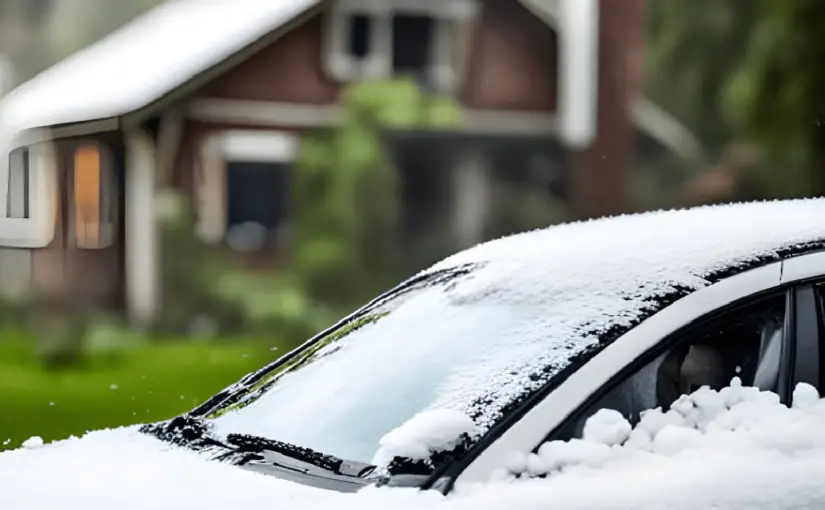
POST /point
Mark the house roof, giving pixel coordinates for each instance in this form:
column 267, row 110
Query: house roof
column 144, row 60
column 171, row 44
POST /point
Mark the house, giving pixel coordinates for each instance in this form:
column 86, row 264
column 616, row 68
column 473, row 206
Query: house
column 211, row 97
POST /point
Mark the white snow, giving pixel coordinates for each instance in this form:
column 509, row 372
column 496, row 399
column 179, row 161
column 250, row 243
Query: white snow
column 33, row 442
column 144, row 60
column 536, row 302
column 753, row 453
column 426, row 433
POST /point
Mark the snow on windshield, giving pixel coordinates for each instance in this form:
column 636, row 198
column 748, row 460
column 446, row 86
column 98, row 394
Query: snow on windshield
column 727, row 450
column 426, row 433
column 533, row 303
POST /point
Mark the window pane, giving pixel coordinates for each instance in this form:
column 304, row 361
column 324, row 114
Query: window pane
column 744, row 343
column 360, row 36
column 17, row 199
column 412, row 40
column 87, row 195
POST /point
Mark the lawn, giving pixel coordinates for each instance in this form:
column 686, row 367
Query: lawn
column 142, row 384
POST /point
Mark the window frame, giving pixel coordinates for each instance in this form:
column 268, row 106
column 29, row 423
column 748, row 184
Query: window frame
column 25, row 171
column 38, row 230
column 108, row 199
column 216, row 152
column 684, row 335
column 528, row 426
column 447, row 62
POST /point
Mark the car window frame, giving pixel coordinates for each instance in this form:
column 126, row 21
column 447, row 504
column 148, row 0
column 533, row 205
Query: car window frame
column 684, row 335
column 740, row 288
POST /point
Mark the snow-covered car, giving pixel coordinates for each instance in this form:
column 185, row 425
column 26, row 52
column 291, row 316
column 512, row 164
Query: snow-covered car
column 479, row 367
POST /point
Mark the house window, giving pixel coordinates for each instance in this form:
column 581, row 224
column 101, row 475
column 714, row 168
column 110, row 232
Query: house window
column 94, row 197
column 244, row 190
column 360, row 36
column 412, row 44
column 418, row 38
column 17, row 197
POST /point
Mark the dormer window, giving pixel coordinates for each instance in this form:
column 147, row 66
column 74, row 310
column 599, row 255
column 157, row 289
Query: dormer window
column 413, row 38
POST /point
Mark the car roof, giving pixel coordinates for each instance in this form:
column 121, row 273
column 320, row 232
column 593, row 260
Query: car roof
column 580, row 286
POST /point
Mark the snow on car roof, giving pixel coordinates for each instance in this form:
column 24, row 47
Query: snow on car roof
column 736, row 448
column 144, row 60
column 578, row 283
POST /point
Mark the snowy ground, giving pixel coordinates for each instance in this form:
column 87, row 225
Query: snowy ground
column 733, row 449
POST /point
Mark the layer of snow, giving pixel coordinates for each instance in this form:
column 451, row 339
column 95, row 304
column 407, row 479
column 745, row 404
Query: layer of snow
column 426, row 433
column 538, row 300
column 144, row 60
column 741, row 449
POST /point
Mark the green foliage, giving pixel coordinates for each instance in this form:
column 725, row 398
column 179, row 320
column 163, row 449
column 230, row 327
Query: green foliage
column 346, row 193
column 776, row 96
column 344, row 232
column 693, row 49
column 143, row 383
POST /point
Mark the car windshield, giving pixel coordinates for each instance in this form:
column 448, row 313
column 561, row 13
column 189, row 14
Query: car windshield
column 420, row 347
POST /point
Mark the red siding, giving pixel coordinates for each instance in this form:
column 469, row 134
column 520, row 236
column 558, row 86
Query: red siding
column 513, row 61
column 289, row 70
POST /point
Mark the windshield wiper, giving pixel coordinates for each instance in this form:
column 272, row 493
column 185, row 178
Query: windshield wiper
column 296, row 458
column 244, row 450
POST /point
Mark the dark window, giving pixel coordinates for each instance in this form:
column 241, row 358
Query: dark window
column 360, row 36
column 17, row 195
column 744, row 343
column 258, row 195
column 412, row 38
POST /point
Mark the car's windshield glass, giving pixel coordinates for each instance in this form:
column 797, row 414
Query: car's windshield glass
column 416, row 350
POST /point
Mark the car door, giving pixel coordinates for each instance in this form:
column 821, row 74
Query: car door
column 760, row 320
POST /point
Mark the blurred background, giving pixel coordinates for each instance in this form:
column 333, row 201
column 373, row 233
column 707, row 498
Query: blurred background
column 281, row 168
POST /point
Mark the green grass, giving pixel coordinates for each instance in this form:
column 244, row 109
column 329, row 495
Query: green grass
column 142, row 384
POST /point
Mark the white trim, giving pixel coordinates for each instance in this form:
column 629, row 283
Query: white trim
column 448, row 14
column 215, row 152
column 262, row 113
column 47, row 134
column 528, row 432
column 274, row 114
column 509, row 122
column 578, row 76
column 142, row 268
column 36, row 231
column 802, row 268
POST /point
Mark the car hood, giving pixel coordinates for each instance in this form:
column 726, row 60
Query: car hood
column 125, row 469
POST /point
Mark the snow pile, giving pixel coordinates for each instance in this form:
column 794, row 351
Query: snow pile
column 424, row 434
column 736, row 448
column 735, row 421
column 126, row 470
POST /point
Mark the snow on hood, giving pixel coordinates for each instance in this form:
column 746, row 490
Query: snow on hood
column 737, row 448
column 127, row 470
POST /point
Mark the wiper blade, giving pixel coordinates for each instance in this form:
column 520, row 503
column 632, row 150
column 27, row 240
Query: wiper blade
column 242, row 449
column 306, row 459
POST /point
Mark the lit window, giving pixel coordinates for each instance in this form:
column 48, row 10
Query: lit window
column 17, row 197
column 94, row 196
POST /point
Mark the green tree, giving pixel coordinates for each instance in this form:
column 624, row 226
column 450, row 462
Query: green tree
column 777, row 95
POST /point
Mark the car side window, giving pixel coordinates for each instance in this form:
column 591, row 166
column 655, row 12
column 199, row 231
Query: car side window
column 745, row 342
